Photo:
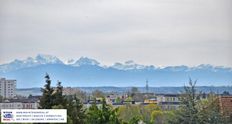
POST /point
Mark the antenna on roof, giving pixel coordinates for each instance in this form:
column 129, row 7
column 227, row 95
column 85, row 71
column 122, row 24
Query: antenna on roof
column 147, row 87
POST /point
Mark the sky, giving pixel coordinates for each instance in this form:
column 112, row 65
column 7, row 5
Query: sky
column 151, row 32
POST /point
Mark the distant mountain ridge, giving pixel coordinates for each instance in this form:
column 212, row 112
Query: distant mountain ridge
column 42, row 59
column 89, row 72
column 123, row 90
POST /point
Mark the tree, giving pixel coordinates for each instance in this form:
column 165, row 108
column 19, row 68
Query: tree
column 195, row 110
column 139, row 97
column 76, row 111
column 132, row 114
column 52, row 97
column 104, row 114
column 134, row 91
column 226, row 93
column 128, row 99
column 46, row 101
column 189, row 109
column 98, row 94
column 93, row 114
column 135, row 120
column 146, row 111
column 129, row 112
column 209, row 111
column 29, row 96
column 157, row 117
column 59, row 99
column 118, row 100
column 81, row 95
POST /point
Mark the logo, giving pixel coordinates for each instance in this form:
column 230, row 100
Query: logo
column 7, row 116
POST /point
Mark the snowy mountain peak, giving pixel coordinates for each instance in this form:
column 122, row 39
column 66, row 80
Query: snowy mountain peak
column 204, row 66
column 47, row 59
column 16, row 61
column 86, row 61
column 30, row 62
column 128, row 65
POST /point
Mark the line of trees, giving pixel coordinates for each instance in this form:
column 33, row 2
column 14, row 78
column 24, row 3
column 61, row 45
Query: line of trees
column 193, row 110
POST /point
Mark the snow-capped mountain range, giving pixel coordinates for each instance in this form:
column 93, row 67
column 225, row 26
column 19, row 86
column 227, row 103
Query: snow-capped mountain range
column 42, row 59
column 48, row 59
column 30, row 62
column 89, row 72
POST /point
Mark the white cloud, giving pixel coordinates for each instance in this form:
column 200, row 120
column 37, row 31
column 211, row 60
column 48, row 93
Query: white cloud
column 159, row 32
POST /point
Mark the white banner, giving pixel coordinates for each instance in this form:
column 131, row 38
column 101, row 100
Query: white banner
column 34, row 116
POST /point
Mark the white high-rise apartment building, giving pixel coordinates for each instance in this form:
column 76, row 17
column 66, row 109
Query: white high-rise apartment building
column 7, row 88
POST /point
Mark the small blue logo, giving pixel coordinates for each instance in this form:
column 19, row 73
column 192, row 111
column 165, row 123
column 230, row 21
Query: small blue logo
column 7, row 115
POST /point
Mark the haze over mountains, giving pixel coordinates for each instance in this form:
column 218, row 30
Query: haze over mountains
column 89, row 72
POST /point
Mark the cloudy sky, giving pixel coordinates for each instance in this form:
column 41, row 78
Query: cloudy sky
column 157, row 32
